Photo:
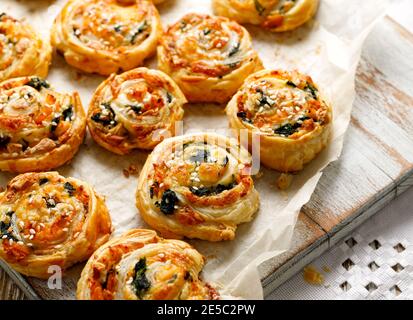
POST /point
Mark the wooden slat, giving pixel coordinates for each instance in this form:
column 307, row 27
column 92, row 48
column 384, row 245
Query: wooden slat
column 8, row 289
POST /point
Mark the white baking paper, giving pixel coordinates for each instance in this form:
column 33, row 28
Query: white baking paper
column 327, row 48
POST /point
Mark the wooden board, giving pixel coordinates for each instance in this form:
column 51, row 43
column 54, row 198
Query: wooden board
column 376, row 165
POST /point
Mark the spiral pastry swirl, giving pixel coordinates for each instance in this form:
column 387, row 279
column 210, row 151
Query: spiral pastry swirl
column 106, row 36
column 40, row 129
column 209, row 57
column 288, row 112
column 197, row 186
column 274, row 15
column 22, row 51
column 47, row 219
column 135, row 110
column 139, row 265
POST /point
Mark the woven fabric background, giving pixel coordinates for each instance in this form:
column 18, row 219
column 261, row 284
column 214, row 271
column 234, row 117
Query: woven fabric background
column 375, row 262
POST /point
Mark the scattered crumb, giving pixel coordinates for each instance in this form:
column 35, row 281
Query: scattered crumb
column 326, row 269
column 312, row 276
column 126, row 173
column 259, row 175
column 132, row 170
column 79, row 76
column 284, row 181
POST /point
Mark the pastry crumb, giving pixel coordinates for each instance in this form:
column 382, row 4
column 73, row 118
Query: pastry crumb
column 132, row 170
column 284, row 181
column 312, row 276
column 259, row 175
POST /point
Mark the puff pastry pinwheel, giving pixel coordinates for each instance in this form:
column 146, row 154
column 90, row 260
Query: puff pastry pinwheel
column 139, row 265
column 135, row 110
column 106, row 36
column 197, row 186
column 275, row 15
column 209, row 57
column 49, row 220
column 22, row 51
column 40, row 129
column 288, row 113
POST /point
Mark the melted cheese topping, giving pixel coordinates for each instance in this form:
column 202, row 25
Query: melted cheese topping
column 207, row 45
column 281, row 103
column 140, row 265
column 130, row 108
column 41, row 214
column 106, row 25
column 33, row 118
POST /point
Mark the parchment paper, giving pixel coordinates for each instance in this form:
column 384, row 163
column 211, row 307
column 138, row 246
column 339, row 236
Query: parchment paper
column 327, row 48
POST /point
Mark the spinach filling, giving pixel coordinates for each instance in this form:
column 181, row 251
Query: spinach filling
column 105, row 119
column 263, row 100
column 168, row 202
column 4, row 141
column 67, row 114
column 201, row 155
column 289, row 129
column 259, row 7
column 141, row 28
column 310, row 88
column 24, row 144
column 38, row 83
column 4, row 227
column 69, row 188
column 169, row 97
column 55, row 123
column 43, row 181
column 50, row 203
column 140, row 281
column 234, row 49
column 214, row 190
column 291, row 84
column 136, row 108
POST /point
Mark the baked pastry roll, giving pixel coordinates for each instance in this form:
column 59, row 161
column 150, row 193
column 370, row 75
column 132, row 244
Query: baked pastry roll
column 209, row 57
column 135, row 110
column 47, row 219
column 275, row 15
column 106, row 36
column 40, row 129
column 139, row 265
column 288, row 113
column 22, row 50
column 197, row 186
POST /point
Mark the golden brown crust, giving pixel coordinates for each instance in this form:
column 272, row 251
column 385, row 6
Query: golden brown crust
column 197, row 186
column 287, row 112
column 274, row 15
column 135, row 110
column 40, row 129
column 140, row 265
column 49, row 220
column 106, row 36
column 22, row 51
column 209, row 57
